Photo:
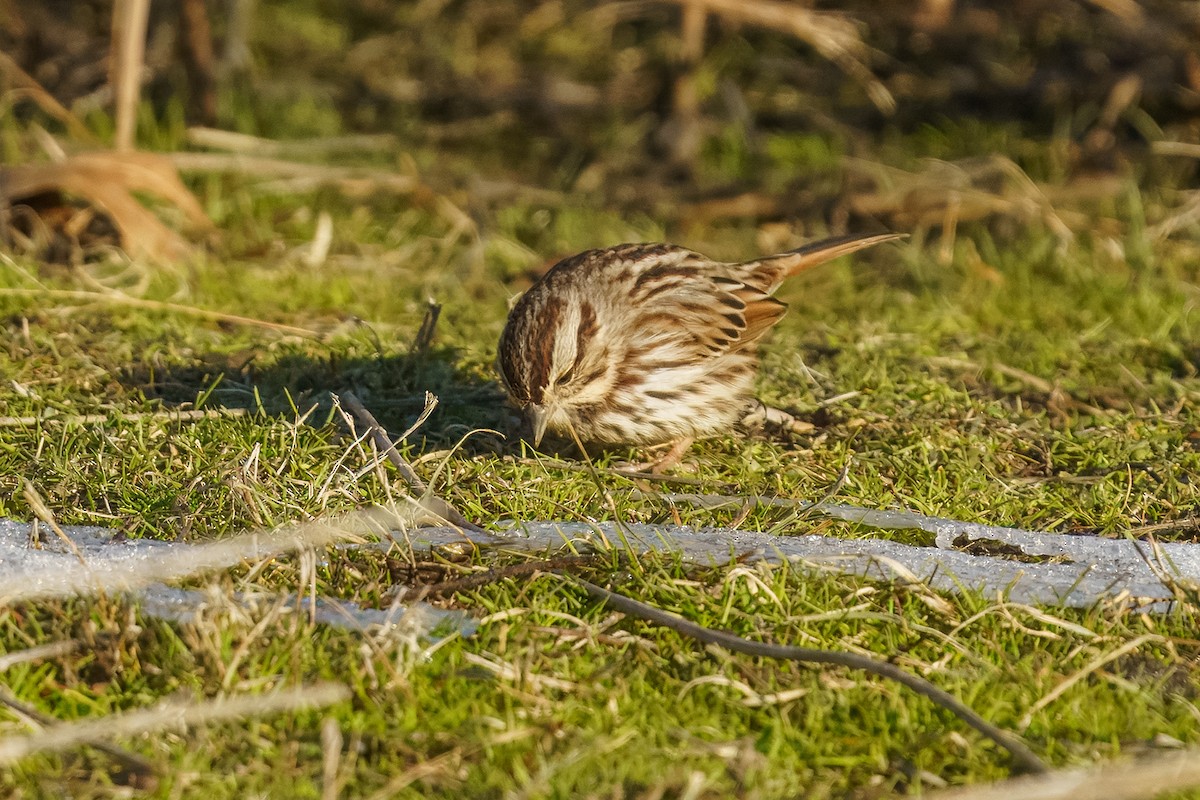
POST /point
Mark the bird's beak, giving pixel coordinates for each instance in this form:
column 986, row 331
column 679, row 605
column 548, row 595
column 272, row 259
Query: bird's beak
column 539, row 417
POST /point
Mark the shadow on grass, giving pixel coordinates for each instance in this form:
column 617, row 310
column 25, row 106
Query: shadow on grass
column 391, row 386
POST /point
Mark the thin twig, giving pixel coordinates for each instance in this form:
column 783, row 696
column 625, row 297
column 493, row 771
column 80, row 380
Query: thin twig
column 234, row 142
column 1188, row 149
column 424, row 337
column 384, row 443
column 379, row 435
column 1095, row 664
column 1025, row 758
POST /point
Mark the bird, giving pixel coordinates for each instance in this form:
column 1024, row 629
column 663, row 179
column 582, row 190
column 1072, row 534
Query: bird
column 648, row 344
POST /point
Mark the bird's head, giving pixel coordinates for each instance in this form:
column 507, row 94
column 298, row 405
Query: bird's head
column 552, row 359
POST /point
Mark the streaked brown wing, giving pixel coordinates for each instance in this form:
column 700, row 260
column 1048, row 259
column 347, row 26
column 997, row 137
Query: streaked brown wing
column 688, row 304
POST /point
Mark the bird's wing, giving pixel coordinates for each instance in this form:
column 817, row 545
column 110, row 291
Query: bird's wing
column 687, row 308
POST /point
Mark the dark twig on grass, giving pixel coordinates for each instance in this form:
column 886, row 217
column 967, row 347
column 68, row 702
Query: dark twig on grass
column 1025, row 758
column 418, row 487
column 424, row 337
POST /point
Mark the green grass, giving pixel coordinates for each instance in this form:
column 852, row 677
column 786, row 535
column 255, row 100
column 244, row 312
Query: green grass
column 939, row 425
column 604, row 705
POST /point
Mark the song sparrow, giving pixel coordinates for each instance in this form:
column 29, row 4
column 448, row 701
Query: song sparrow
column 647, row 343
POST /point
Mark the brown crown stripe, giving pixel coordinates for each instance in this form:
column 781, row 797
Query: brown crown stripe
column 507, row 362
column 541, row 354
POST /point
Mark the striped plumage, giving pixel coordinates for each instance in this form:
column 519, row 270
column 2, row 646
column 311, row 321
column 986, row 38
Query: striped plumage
column 647, row 343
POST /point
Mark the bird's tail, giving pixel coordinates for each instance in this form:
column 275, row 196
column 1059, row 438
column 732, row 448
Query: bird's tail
column 814, row 253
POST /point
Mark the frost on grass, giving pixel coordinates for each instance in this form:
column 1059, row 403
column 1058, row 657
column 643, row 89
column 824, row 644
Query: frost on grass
column 93, row 560
column 1025, row 566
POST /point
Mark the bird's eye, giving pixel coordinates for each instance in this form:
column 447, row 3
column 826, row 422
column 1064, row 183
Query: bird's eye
column 565, row 378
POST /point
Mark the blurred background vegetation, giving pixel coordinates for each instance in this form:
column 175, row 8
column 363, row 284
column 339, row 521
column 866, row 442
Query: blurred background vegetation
column 692, row 112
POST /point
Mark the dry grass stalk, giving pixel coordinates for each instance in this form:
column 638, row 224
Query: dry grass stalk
column 1089, row 669
column 39, row 653
column 107, row 181
column 349, row 179
column 949, row 192
column 1186, row 149
column 234, row 142
column 176, row 563
column 117, row 298
column 168, row 715
column 379, row 436
column 1139, row 780
column 128, row 59
column 169, row 415
column 26, row 85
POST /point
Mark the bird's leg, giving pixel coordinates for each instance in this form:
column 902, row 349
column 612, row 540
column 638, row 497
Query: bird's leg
column 672, row 456
column 660, row 465
column 763, row 419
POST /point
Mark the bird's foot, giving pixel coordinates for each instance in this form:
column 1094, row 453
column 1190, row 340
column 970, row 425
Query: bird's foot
column 659, row 465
